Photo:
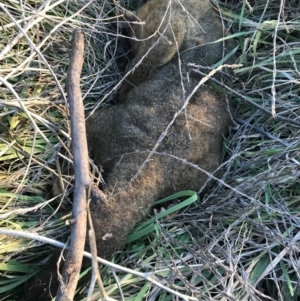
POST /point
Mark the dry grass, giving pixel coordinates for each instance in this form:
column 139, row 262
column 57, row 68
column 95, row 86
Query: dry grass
column 242, row 241
column 34, row 139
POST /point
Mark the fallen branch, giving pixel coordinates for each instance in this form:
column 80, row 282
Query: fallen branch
column 74, row 257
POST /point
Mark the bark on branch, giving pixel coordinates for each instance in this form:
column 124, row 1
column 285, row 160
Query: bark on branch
column 73, row 262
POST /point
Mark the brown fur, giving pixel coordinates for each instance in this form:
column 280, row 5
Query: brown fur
column 121, row 136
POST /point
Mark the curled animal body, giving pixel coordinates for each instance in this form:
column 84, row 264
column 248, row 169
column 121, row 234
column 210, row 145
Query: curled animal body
column 152, row 115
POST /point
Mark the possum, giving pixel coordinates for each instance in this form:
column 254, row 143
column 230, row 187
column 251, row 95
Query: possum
column 149, row 143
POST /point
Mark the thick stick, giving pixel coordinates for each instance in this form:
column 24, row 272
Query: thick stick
column 73, row 262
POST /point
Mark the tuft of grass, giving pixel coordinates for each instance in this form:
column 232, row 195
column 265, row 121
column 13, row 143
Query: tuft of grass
column 150, row 225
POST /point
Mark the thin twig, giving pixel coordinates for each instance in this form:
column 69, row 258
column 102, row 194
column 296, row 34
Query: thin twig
column 73, row 262
column 187, row 100
column 145, row 276
column 95, row 274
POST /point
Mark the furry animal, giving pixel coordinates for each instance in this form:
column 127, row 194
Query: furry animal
column 121, row 137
